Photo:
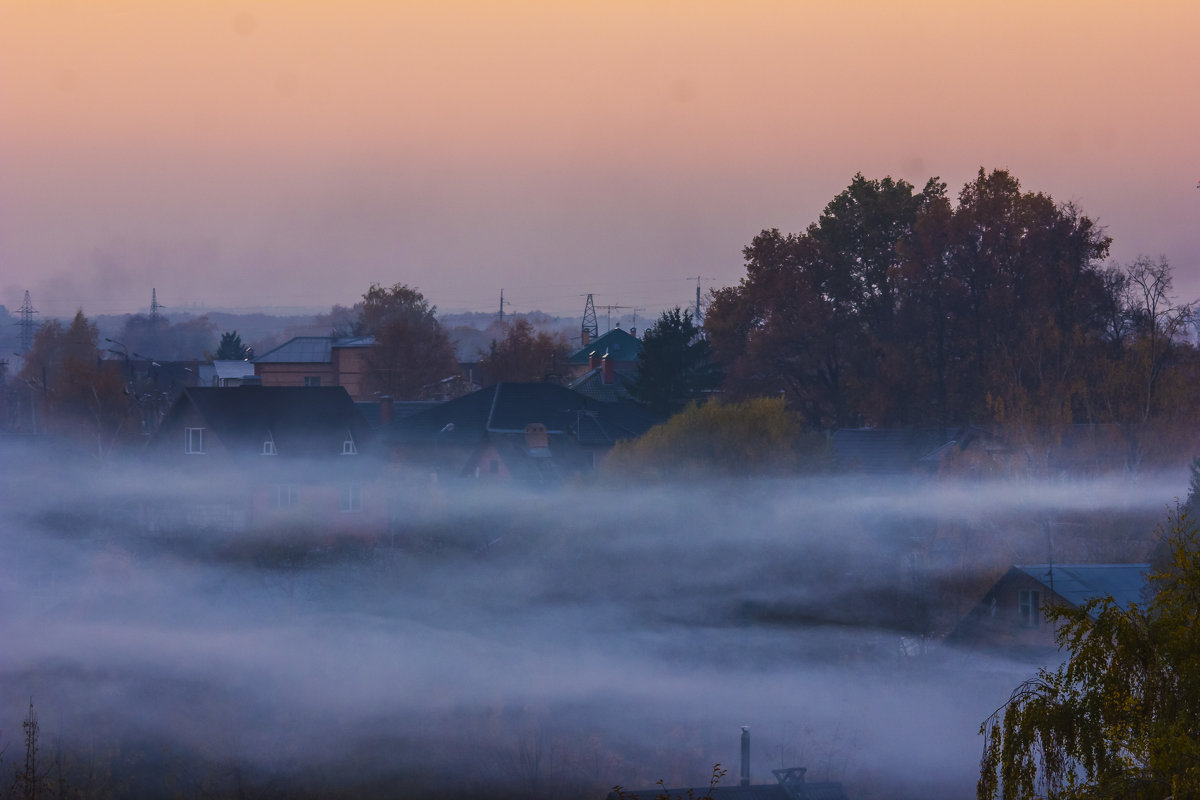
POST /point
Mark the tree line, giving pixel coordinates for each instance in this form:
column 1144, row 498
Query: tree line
column 898, row 307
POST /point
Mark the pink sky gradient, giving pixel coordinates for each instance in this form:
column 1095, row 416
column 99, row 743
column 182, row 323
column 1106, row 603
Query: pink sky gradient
column 247, row 154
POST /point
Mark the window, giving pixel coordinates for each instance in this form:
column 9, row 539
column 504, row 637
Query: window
column 312, row 380
column 269, row 446
column 285, row 496
column 193, row 441
column 1028, row 608
column 348, row 448
column 352, row 498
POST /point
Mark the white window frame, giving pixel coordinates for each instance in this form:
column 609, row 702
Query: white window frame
column 1029, row 609
column 285, row 496
column 193, row 441
column 352, row 500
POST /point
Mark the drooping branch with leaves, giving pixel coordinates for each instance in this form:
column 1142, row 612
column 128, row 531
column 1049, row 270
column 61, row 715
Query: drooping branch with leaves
column 1120, row 718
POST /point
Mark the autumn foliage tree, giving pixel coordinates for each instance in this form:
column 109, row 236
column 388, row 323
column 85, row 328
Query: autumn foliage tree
column 412, row 353
column 759, row 436
column 523, row 354
column 1120, row 718
column 900, row 307
column 77, row 392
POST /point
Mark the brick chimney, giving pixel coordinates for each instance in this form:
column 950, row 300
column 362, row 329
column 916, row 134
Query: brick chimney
column 593, row 360
column 609, row 370
column 387, row 410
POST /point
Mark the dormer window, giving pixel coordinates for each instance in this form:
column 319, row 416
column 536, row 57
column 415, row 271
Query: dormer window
column 269, row 445
column 348, row 448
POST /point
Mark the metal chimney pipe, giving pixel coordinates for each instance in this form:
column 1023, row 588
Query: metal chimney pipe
column 745, row 755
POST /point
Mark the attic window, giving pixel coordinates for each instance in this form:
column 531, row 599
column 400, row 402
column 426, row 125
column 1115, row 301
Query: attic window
column 348, row 448
column 269, row 446
column 1028, row 608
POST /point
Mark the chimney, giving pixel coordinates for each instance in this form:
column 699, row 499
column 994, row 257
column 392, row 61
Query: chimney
column 593, row 360
column 633, row 332
column 745, row 755
column 387, row 410
column 610, row 375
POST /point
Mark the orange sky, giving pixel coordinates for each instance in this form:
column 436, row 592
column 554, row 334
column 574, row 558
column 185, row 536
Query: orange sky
column 290, row 153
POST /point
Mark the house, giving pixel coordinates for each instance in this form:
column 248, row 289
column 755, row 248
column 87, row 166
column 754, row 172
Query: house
column 275, row 454
column 602, row 382
column 621, row 348
column 318, row 361
column 905, row 451
column 536, row 432
column 1011, row 615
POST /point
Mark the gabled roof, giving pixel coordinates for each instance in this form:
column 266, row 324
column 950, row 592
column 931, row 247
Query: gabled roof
column 311, row 349
column 620, row 346
column 304, row 421
column 508, row 407
column 1079, row 583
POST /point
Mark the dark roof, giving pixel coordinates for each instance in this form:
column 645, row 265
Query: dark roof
column 509, row 407
column 1079, row 583
column 592, row 384
column 304, row 421
column 883, row 451
column 618, row 344
column 400, row 409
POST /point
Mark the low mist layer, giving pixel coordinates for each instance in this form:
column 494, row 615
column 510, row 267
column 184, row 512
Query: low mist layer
column 554, row 644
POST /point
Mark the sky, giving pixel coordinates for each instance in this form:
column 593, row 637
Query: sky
column 290, row 154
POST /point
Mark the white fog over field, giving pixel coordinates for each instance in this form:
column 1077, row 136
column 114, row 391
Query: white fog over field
column 548, row 643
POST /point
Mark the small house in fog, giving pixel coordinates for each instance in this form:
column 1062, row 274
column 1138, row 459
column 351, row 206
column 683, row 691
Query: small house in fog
column 1011, row 616
column 278, row 453
column 528, row 432
column 618, row 346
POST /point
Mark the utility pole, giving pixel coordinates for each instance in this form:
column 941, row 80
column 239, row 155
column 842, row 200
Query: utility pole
column 590, row 329
column 698, row 279
column 26, row 323
column 503, row 302
column 154, row 306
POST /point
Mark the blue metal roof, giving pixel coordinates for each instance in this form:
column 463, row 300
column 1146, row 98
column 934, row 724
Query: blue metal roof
column 1079, row 583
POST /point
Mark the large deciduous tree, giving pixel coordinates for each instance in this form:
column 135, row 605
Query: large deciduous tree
column 1121, row 717
column 673, row 367
column 901, row 307
column 412, row 353
column 77, row 393
column 523, row 354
